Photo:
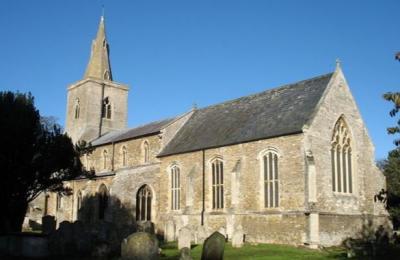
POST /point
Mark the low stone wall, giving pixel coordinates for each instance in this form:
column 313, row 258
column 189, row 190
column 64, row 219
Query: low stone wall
column 31, row 245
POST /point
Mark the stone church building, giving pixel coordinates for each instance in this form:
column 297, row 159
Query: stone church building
column 291, row 165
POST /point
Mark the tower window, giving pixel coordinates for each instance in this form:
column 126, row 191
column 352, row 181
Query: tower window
column 77, row 108
column 106, row 108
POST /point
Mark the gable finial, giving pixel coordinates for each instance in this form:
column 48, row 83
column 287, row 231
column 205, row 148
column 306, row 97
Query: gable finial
column 102, row 11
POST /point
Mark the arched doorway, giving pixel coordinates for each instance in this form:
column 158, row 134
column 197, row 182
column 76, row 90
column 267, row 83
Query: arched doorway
column 103, row 200
column 143, row 203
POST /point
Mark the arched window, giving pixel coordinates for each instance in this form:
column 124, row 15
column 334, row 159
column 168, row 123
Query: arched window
column 105, row 158
column 146, row 152
column 341, row 158
column 217, row 184
column 106, row 108
column 77, row 108
column 103, row 200
column 124, row 154
column 271, row 179
column 143, row 204
column 107, row 75
column 175, row 188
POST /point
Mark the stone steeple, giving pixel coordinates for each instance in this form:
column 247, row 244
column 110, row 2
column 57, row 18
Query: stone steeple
column 99, row 63
column 96, row 104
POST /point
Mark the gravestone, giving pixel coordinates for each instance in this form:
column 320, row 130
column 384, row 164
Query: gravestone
column 185, row 254
column 184, row 237
column 48, row 224
column 200, row 235
column 146, row 226
column 237, row 237
column 170, row 230
column 213, row 248
column 140, row 246
column 222, row 231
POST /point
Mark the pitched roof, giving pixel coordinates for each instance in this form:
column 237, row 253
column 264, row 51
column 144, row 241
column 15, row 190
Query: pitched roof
column 144, row 130
column 276, row 112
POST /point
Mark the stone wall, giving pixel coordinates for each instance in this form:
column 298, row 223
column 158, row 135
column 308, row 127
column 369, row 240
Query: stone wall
column 243, row 189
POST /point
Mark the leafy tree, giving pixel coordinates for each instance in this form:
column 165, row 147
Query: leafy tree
column 34, row 156
column 391, row 166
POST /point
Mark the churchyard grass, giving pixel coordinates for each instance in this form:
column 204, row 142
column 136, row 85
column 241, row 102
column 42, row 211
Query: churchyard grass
column 259, row 252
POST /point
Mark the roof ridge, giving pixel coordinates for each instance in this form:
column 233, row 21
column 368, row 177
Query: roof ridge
column 267, row 90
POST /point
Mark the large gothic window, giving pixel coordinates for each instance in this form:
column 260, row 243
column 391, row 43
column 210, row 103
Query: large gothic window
column 271, row 179
column 175, row 188
column 77, row 108
column 143, row 204
column 103, row 200
column 217, row 184
column 106, row 108
column 341, row 158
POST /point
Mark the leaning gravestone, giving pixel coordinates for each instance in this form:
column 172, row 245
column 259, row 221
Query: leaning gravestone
column 213, row 248
column 237, row 237
column 184, row 237
column 140, row 246
column 185, row 254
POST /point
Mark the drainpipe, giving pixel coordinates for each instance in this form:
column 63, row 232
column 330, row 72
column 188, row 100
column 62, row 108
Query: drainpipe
column 112, row 156
column 203, row 184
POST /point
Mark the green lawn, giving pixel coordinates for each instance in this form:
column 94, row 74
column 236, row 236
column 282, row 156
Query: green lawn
column 258, row 252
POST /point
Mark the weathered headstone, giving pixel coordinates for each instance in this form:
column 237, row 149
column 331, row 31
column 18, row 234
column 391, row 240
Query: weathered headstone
column 213, row 248
column 222, row 231
column 185, row 254
column 237, row 237
column 140, row 246
column 48, row 224
column 200, row 235
column 170, row 230
column 184, row 237
column 146, row 226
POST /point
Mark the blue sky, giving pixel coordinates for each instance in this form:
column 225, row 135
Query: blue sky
column 176, row 53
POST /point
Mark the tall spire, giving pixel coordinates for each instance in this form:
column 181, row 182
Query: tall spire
column 99, row 63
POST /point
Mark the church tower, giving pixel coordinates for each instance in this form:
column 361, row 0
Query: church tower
column 96, row 104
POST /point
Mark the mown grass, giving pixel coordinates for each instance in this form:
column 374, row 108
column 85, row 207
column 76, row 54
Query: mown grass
column 259, row 252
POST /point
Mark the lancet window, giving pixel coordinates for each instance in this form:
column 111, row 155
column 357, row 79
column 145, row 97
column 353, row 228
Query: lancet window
column 217, row 184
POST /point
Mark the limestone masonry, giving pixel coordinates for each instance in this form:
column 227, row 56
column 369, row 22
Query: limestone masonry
column 292, row 165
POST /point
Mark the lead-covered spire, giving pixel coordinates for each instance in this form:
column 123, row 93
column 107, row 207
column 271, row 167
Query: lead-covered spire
column 99, row 63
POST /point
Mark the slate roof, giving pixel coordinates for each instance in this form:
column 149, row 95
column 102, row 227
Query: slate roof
column 144, row 130
column 276, row 112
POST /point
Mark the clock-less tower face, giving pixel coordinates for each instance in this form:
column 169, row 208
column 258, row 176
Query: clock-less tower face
column 96, row 104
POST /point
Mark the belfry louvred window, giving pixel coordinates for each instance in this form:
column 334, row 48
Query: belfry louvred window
column 217, row 184
column 341, row 158
column 106, row 108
